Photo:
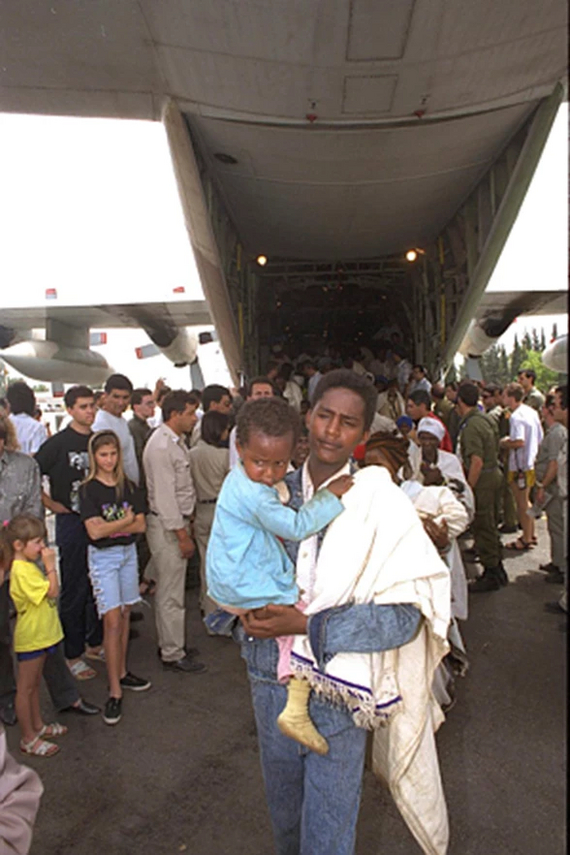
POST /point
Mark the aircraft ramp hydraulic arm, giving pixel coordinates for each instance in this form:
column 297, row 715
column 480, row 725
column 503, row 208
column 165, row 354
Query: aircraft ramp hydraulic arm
column 212, row 237
column 452, row 275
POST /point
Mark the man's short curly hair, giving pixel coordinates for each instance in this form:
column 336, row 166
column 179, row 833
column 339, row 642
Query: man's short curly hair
column 344, row 378
column 268, row 416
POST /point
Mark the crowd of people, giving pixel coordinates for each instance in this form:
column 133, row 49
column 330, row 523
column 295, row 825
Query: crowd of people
column 280, row 487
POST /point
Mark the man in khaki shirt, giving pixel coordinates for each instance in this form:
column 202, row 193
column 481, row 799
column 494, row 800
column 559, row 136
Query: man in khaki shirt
column 171, row 501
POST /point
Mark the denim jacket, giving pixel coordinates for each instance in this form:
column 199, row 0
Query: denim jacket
column 358, row 628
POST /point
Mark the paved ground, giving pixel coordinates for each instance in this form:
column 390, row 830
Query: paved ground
column 180, row 772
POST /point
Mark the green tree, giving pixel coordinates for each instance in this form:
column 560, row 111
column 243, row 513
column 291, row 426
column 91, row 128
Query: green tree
column 554, row 331
column 535, row 340
column 495, row 365
column 517, row 356
column 542, row 340
column 526, row 342
column 504, row 363
column 545, row 378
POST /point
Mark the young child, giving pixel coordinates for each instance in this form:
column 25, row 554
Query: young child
column 38, row 629
column 112, row 510
column 246, row 564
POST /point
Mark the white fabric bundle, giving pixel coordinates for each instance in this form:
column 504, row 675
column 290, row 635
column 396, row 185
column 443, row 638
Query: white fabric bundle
column 440, row 503
column 377, row 551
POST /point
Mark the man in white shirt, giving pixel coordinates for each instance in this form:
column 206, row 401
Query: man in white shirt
column 31, row 433
column 525, row 436
column 403, row 368
column 418, row 380
column 312, row 376
column 118, row 391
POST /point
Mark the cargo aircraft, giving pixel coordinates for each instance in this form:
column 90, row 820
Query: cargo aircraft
column 342, row 164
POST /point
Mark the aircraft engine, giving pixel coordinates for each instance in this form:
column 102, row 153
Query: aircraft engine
column 182, row 350
column 477, row 341
column 555, row 356
column 50, row 362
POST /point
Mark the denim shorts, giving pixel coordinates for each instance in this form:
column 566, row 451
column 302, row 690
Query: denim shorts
column 114, row 576
column 35, row 654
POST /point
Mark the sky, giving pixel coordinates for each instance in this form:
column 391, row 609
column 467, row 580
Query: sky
column 535, row 256
column 90, row 207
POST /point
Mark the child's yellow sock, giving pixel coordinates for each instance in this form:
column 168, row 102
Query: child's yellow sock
column 295, row 722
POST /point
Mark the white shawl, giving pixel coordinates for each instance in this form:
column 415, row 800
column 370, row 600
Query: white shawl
column 377, row 551
column 440, row 503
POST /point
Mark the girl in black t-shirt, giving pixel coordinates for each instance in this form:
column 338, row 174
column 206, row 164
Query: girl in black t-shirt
column 112, row 510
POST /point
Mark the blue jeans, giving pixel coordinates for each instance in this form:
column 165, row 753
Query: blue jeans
column 114, row 576
column 313, row 801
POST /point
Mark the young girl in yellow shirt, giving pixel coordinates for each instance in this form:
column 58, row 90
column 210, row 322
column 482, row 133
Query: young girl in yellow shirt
column 38, row 629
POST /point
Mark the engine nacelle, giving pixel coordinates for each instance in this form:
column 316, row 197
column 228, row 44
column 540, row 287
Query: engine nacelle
column 51, row 362
column 476, row 341
column 555, row 356
column 182, row 350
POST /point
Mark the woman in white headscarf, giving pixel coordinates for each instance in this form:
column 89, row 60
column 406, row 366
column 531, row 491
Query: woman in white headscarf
column 442, row 467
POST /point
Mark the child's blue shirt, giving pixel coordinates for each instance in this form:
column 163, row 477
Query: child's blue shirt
column 246, row 564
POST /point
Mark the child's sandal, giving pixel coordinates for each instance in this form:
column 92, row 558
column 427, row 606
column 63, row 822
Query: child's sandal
column 52, row 731
column 82, row 671
column 38, row 747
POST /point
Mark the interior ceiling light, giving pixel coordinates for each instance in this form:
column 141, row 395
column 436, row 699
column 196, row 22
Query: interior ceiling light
column 228, row 159
column 261, row 260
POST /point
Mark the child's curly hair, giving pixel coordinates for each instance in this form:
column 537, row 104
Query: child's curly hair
column 269, row 416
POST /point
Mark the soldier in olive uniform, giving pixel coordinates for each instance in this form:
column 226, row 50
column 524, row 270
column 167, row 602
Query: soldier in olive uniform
column 532, row 396
column 478, row 449
column 493, row 403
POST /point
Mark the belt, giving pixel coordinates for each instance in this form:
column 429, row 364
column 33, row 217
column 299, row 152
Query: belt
column 489, row 468
column 207, row 501
column 184, row 516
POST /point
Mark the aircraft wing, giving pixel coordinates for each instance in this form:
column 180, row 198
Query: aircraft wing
column 505, row 306
column 498, row 309
column 65, row 355
column 177, row 314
